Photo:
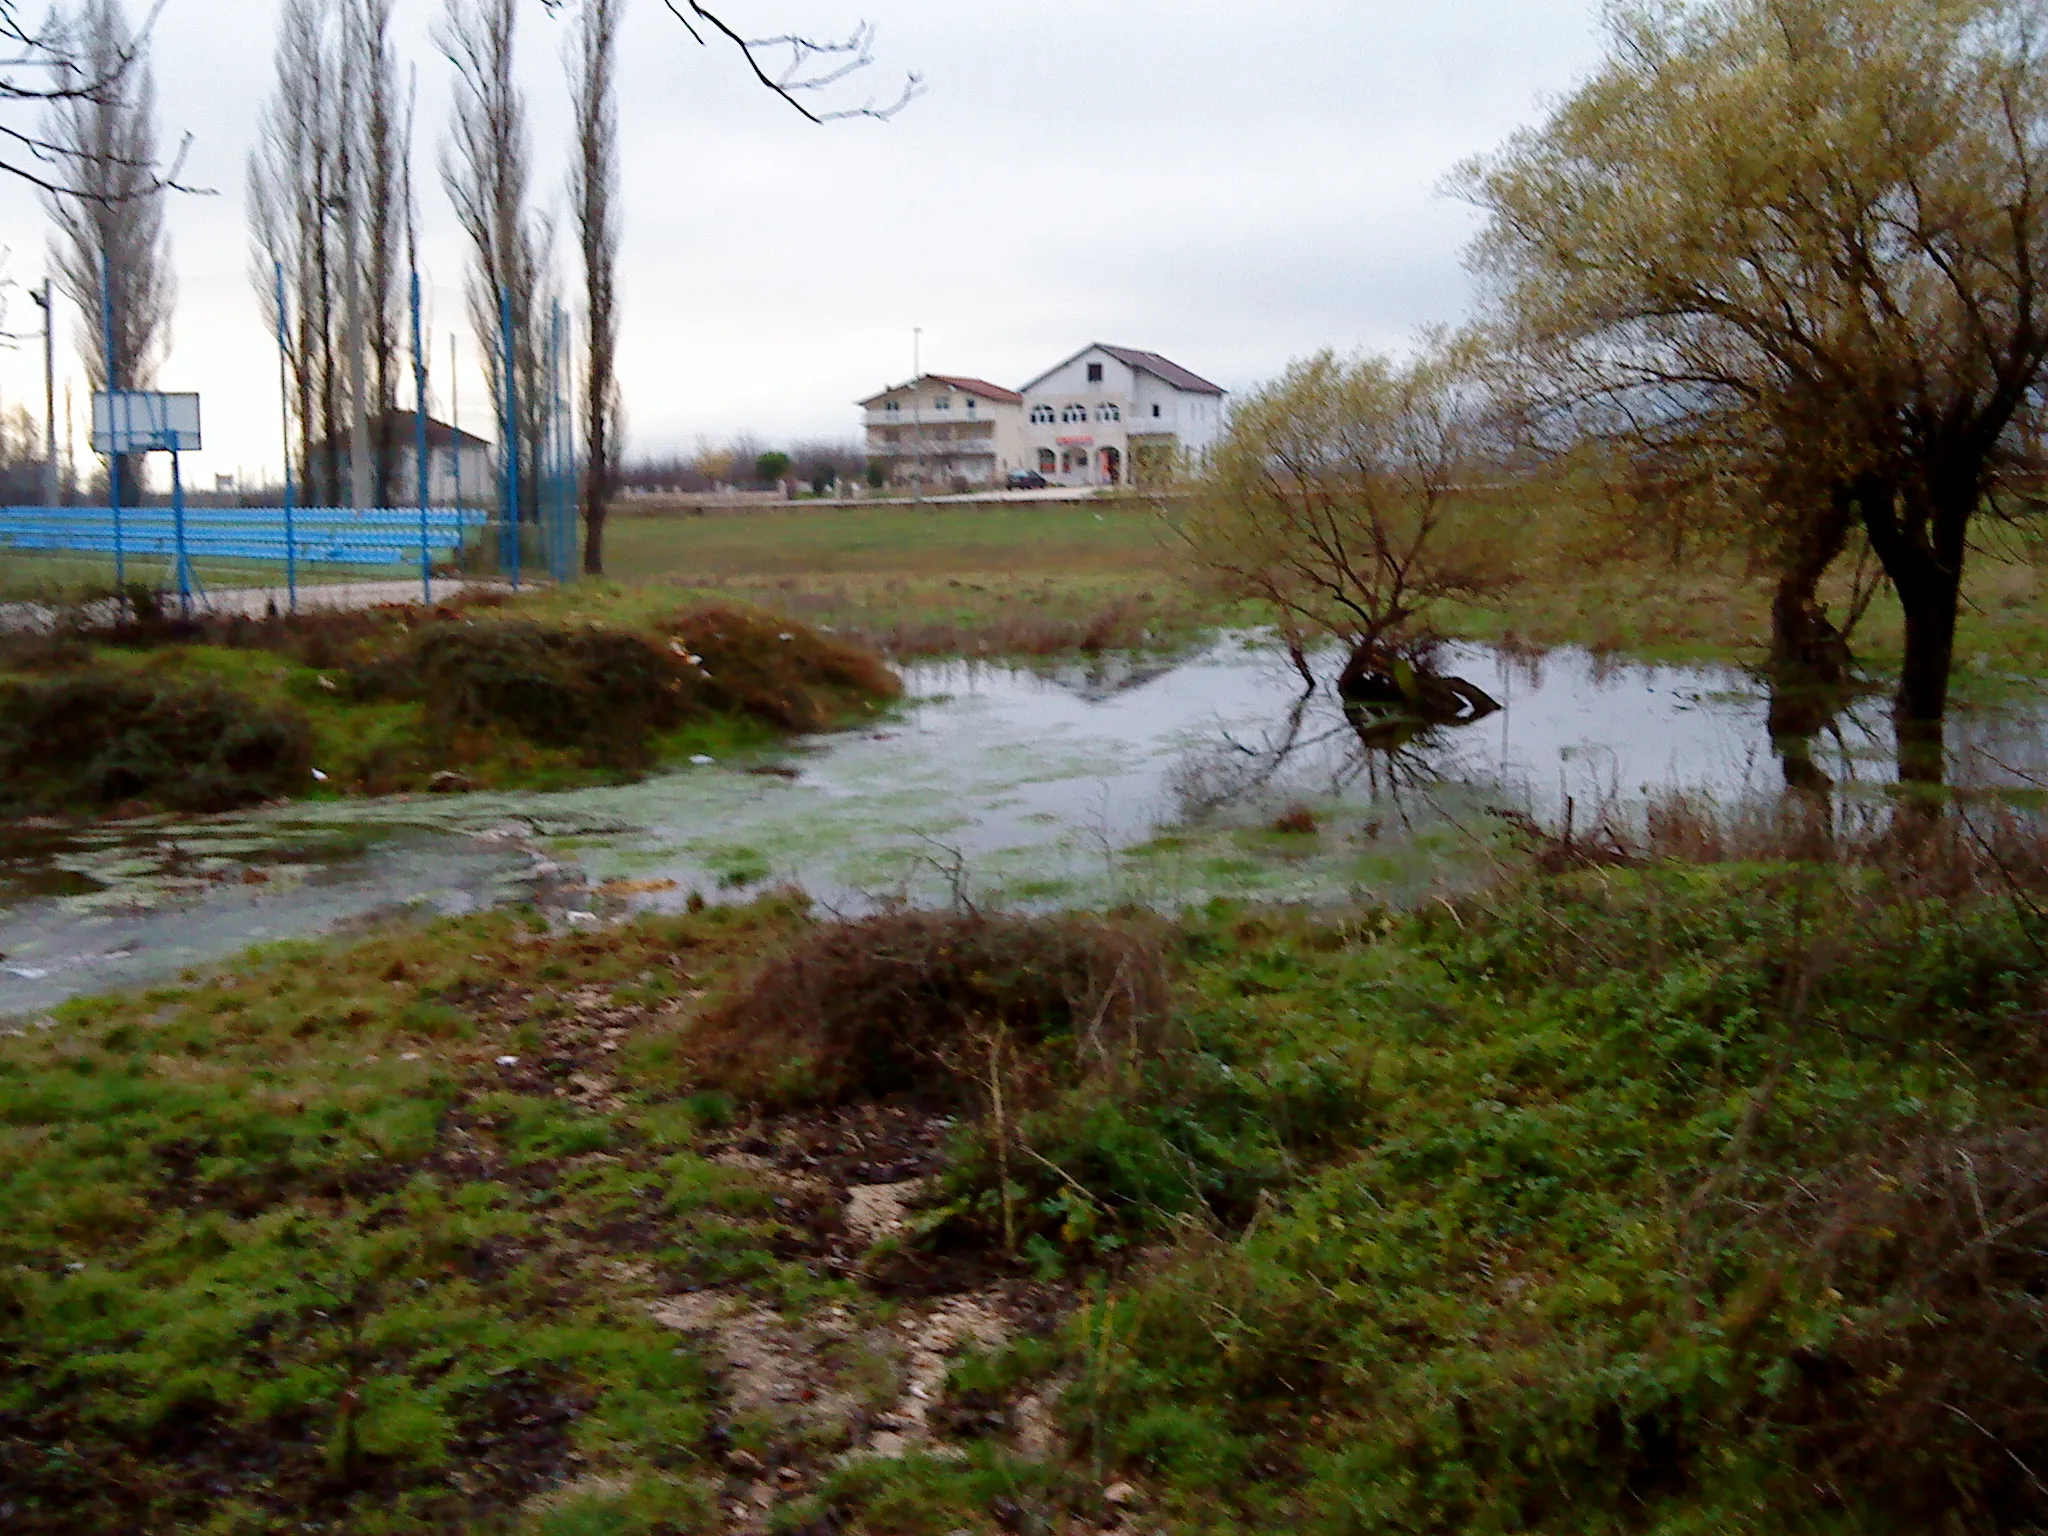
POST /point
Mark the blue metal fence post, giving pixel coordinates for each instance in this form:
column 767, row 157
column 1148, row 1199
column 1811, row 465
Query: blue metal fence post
column 178, row 529
column 455, row 416
column 511, row 440
column 284, row 397
column 419, row 395
column 113, row 459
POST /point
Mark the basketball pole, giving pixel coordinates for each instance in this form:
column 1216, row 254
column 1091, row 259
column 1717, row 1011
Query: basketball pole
column 178, row 526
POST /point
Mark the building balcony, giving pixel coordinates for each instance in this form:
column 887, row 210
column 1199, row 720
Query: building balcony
column 931, row 418
column 933, row 447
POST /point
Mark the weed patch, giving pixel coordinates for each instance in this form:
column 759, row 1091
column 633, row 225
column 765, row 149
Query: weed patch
column 93, row 741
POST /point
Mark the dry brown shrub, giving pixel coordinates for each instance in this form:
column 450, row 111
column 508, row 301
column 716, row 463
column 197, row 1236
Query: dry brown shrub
column 1933, row 1392
column 776, row 669
column 912, row 1002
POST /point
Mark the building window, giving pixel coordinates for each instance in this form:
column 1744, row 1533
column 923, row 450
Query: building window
column 942, row 404
column 970, row 404
column 1074, row 413
column 1042, row 413
column 1108, row 413
column 1048, row 461
column 893, row 408
column 1155, row 410
column 1095, row 373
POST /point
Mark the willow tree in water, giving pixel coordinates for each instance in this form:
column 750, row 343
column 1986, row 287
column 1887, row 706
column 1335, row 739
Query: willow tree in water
column 1351, row 499
column 1809, row 236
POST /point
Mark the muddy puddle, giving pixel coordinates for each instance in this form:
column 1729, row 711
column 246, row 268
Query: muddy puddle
column 1120, row 780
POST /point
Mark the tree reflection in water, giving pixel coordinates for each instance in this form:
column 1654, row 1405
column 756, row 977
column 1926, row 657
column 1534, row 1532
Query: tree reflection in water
column 1393, row 749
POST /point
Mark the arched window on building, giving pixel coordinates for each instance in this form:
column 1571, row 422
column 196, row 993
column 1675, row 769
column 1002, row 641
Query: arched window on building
column 1048, row 461
column 1074, row 413
column 1043, row 414
column 1108, row 413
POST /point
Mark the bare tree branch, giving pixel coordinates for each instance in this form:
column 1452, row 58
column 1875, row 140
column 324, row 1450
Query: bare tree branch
column 810, row 65
column 51, row 70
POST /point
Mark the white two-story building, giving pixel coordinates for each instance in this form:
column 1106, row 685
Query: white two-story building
column 941, row 430
column 1116, row 416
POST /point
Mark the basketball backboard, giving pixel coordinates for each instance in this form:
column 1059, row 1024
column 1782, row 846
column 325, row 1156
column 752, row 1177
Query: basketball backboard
column 144, row 421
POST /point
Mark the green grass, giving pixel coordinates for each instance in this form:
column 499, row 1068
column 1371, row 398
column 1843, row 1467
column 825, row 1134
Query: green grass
column 290, row 1244
column 940, row 541
column 1613, row 1200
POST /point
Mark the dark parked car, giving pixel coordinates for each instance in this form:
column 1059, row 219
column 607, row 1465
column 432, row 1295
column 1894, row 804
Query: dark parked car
column 1027, row 480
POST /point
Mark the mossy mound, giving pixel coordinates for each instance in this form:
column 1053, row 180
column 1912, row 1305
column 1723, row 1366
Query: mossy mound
column 602, row 693
column 191, row 715
column 782, row 673
column 92, row 740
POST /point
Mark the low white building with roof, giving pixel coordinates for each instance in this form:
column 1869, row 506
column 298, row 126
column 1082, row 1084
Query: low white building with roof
column 942, row 429
column 1112, row 415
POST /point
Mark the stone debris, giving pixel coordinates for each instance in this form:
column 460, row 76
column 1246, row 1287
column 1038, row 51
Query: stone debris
column 770, row 1366
column 876, row 1211
column 935, row 1337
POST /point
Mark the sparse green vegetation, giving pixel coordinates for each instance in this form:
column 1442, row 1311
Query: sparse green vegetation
column 1651, row 1194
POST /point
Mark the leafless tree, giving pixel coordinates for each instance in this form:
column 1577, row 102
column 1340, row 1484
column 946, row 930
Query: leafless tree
column 113, row 255
column 486, row 172
column 327, row 185
column 297, row 183
column 593, row 194
column 382, row 183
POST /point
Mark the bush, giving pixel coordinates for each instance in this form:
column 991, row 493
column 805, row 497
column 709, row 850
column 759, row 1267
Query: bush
column 1928, row 1390
column 93, row 739
column 777, row 671
column 916, row 1001
column 602, row 692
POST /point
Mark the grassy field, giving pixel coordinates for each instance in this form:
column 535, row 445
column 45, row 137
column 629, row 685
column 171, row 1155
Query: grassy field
column 1005, row 581
column 1691, row 1186
column 1034, row 581
column 1021, row 580
column 1655, row 1197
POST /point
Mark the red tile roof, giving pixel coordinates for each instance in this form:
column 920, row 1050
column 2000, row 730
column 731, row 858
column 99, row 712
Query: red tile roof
column 1159, row 367
column 981, row 387
column 1146, row 362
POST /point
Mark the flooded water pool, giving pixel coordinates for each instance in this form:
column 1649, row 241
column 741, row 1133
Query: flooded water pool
column 1120, row 780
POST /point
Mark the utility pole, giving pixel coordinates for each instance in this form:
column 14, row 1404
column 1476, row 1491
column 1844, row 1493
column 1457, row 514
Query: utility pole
column 47, row 301
column 917, row 410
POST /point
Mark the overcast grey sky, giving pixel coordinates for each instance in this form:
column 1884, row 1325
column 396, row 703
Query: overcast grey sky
column 1232, row 184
